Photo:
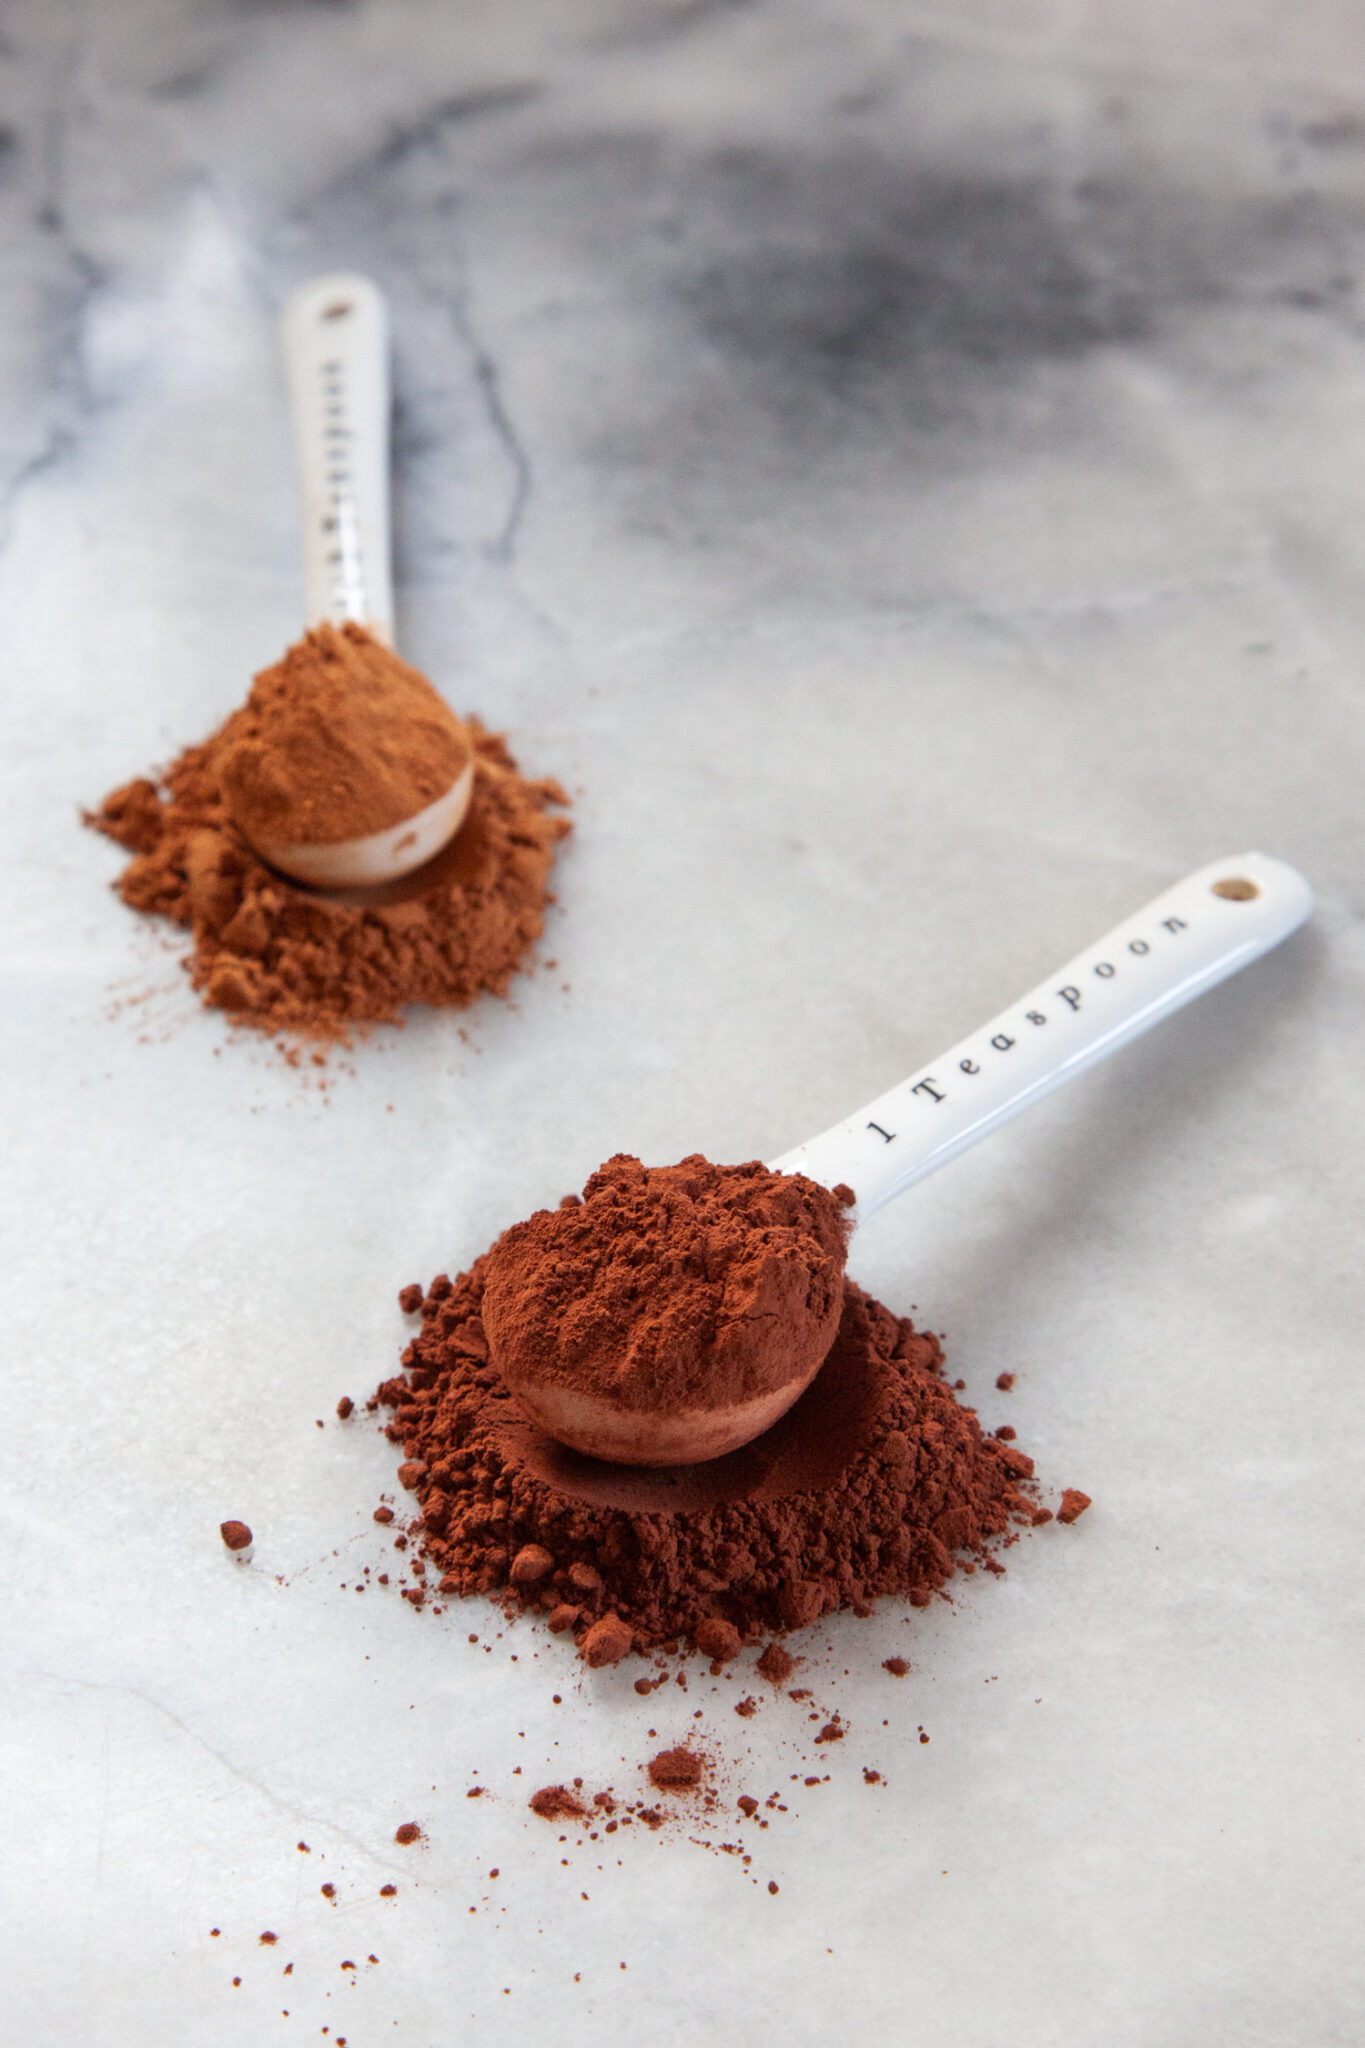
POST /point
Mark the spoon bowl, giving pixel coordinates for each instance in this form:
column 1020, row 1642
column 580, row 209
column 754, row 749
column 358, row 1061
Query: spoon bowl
column 598, row 1428
column 378, row 856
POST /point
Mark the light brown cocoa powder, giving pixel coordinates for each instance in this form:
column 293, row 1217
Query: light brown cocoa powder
column 291, row 960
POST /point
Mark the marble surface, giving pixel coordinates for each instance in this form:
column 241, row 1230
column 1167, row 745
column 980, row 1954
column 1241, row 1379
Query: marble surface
column 900, row 465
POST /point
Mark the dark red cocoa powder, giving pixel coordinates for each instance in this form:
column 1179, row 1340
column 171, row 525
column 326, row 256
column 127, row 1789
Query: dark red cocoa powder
column 877, row 1482
column 671, row 1287
column 556, row 1802
column 676, row 1770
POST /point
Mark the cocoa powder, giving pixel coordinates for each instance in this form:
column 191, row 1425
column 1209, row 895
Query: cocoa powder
column 291, row 960
column 676, row 1770
column 338, row 740
column 876, row 1482
column 556, row 1802
column 671, row 1287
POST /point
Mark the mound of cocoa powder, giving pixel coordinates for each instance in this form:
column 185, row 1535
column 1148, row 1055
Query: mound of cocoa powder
column 338, row 740
column 876, row 1482
column 285, row 958
column 671, row 1287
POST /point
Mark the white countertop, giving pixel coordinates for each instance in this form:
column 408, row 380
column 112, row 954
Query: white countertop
column 901, row 467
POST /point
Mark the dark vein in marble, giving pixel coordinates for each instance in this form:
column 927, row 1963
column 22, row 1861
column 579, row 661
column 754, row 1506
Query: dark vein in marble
column 674, row 21
column 298, row 1817
column 503, row 546
column 428, row 130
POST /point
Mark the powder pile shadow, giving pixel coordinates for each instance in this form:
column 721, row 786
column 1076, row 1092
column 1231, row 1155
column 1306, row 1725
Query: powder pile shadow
column 287, row 959
column 877, row 1482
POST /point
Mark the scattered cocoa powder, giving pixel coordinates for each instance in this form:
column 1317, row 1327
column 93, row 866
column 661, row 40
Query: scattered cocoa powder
column 289, row 960
column 677, row 1770
column 877, row 1482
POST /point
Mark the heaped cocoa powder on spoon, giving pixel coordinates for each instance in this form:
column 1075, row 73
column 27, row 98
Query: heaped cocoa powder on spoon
column 289, row 959
column 337, row 740
column 877, row 1482
column 667, row 1293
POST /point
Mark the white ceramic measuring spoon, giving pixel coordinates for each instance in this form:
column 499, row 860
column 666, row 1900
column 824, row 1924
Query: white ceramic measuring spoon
column 336, row 347
column 1204, row 929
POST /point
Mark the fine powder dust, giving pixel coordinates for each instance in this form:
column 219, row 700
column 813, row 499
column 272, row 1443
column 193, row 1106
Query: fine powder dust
column 876, row 1482
column 288, row 959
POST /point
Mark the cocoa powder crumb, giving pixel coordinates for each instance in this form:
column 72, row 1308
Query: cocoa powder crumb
column 531, row 1564
column 897, row 1666
column 677, row 1770
column 556, row 1802
column 776, row 1664
column 235, row 1535
column 345, row 1407
column 1074, row 1504
column 606, row 1642
column 1005, row 1381
column 409, row 1832
column 718, row 1639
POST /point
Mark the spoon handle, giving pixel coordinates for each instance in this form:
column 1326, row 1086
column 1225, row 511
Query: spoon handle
column 336, row 349
column 1188, row 940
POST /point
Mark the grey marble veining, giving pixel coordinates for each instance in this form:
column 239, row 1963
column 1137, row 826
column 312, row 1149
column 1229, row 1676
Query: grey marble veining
column 900, row 466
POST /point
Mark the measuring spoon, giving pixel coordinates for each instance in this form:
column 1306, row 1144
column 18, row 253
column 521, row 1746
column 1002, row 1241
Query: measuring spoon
column 1186, row 941
column 336, row 347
